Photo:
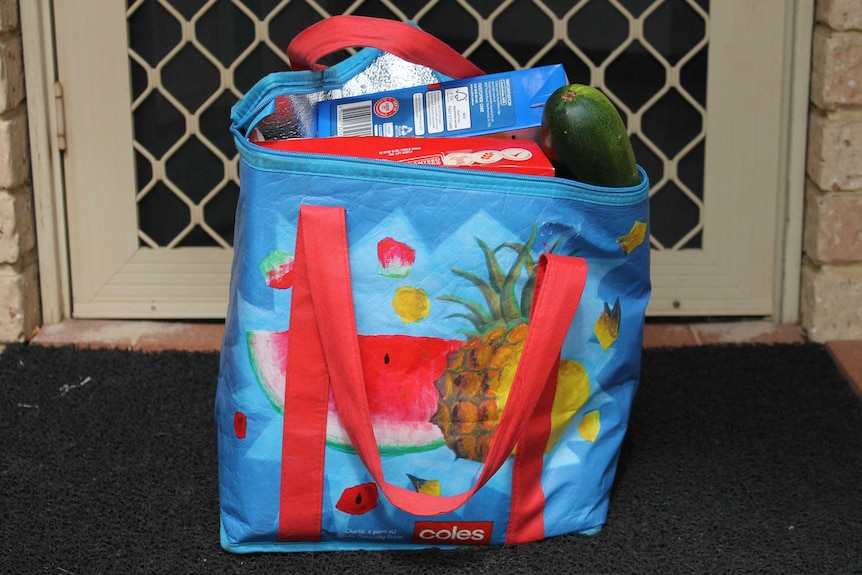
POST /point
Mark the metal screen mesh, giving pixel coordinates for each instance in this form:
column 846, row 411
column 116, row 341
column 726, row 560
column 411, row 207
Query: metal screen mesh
column 190, row 60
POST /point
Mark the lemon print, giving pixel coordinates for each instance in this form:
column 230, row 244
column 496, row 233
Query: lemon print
column 573, row 391
column 411, row 304
column 590, row 425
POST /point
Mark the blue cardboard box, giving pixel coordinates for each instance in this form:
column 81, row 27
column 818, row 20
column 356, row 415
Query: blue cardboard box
column 507, row 104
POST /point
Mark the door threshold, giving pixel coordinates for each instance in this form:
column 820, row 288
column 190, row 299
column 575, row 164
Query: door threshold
column 207, row 336
column 134, row 335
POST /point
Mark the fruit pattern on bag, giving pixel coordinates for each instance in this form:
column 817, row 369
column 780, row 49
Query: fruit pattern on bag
column 429, row 393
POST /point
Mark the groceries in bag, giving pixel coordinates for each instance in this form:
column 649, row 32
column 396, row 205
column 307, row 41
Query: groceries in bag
column 585, row 137
column 579, row 130
column 508, row 105
column 495, row 154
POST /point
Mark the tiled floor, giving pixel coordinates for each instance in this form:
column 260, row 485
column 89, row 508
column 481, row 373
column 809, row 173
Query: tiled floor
column 154, row 336
column 848, row 357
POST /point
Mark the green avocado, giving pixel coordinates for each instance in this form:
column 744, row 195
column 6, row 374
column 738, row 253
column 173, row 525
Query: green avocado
column 586, row 140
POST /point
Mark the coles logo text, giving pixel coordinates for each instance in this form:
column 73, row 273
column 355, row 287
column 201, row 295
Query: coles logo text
column 453, row 533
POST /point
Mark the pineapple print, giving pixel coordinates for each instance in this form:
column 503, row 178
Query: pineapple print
column 475, row 385
column 478, row 377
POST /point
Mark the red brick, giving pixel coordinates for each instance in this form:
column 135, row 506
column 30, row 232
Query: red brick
column 840, row 14
column 833, row 226
column 836, row 77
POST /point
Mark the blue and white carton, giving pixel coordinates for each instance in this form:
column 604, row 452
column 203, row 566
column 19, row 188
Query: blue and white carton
column 508, row 104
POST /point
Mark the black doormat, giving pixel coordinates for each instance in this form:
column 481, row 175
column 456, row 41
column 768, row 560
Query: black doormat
column 738, row 459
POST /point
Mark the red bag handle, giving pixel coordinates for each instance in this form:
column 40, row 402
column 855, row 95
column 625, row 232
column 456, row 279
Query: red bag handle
column 399, row 38
column 321, row 260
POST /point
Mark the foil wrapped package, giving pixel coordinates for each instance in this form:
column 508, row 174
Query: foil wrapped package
column 294, row 115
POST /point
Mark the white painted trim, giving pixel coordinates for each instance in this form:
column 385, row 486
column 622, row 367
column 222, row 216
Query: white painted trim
column 164, row 284
column 99, row 168
column 46, row 159
column 735, row 273
column 798, row 72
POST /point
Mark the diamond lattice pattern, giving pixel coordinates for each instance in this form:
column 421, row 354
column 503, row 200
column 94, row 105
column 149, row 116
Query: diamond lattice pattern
column 191, row 60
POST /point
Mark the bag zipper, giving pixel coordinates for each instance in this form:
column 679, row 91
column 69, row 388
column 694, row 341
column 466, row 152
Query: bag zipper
column 547, row 186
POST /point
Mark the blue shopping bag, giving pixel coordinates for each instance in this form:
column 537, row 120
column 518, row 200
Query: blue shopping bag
column 417, row 356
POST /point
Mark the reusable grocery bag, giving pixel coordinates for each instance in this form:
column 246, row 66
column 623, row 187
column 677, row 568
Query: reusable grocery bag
column 419, row 356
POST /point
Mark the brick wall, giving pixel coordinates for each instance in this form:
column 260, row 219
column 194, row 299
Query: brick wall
column 19, row 291
column 831, row 306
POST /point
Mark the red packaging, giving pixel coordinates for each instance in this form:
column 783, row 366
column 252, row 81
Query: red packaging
column 479, row 153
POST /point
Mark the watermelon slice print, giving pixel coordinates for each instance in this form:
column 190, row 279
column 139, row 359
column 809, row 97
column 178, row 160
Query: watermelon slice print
column 359, row 499
column 400, row 372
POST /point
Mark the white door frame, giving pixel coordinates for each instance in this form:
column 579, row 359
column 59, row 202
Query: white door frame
column 786, row 167
column 50, row 205
column 46, row 160
column 788, row 261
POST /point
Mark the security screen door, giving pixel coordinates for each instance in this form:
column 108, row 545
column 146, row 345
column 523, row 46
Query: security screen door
column 151, row 171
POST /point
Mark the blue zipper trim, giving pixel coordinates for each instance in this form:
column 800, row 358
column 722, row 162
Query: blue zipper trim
column 353, row 168
column 272, row 85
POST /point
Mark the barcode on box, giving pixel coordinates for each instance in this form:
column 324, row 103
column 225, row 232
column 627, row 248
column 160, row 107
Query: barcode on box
column 355, row 119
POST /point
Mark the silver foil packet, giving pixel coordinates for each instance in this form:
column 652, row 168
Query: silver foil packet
column 295, row 117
